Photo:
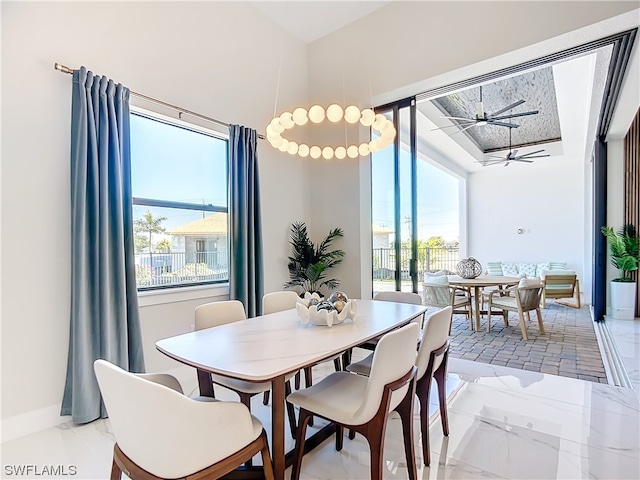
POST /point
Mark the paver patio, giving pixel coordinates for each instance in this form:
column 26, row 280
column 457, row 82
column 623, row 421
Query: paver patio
column 568, row 349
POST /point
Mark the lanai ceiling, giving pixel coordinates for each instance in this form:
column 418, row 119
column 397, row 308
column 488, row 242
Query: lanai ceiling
column 535, row 88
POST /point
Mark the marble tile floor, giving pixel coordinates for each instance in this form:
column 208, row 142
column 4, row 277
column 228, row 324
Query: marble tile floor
column 626, row 336
column 504, row 423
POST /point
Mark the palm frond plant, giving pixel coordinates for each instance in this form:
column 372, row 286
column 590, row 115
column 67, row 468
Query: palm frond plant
column 624, row 247
column 309, row 263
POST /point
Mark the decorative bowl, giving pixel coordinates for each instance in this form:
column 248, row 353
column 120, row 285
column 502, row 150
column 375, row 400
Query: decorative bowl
column 469, row 268
column 309, row 313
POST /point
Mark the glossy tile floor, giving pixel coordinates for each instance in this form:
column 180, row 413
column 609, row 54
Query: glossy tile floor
column 504, row 423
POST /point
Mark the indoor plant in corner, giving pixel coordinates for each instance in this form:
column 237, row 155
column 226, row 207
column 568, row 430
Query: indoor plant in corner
column 624, row 247
column 309, row 263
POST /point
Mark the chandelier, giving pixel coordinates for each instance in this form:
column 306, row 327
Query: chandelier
column 333, row 113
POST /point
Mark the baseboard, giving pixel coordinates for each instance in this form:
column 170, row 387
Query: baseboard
column 31, row 422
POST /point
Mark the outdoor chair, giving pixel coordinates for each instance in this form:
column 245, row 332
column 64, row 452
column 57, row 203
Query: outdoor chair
column 438, row 293
column 561, row 286
column 521, row 299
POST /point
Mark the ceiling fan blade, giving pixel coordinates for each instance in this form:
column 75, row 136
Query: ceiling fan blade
column 514, row 115
column 521, row 160
column 465, row 128
column 513, row 154
column 466, row 119
column 502, row 124
column 491, row 162
column 533, row 153
column 535, row 156
column 509, row 107
column 452, row 125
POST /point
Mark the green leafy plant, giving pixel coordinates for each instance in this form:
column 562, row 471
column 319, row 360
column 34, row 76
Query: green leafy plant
column 624, row 246
column 309, row 263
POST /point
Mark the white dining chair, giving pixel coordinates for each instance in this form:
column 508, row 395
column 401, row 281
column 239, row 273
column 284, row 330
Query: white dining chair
column 432, row 363
column 214, row 314
column 362, row 404
column 161, row 434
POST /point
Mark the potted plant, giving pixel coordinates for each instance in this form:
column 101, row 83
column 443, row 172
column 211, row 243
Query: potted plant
column 624, row 247
column 309, row 263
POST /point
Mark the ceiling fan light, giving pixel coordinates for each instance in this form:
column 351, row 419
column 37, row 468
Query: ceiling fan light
column 351, row 114
column 481, row 123
column 334, row 113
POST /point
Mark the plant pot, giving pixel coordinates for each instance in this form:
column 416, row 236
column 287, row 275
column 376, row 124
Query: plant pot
column 623, row 300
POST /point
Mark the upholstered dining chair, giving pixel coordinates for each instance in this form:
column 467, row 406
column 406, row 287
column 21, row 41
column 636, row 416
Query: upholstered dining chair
column 219, row 313
column 161, row 434
column 431, row 363
column 362, row 404
column 521, row 299
column 393, row 296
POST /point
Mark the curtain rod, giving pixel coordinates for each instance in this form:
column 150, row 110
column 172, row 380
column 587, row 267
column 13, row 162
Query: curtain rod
column 180, row 110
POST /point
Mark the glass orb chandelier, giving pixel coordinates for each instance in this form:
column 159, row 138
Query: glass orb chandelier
column 333, row 113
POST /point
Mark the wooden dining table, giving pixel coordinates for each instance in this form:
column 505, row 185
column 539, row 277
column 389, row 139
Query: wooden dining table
column 478, row 284
column 268, row 347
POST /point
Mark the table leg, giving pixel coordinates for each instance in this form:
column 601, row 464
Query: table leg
column 277, row 426
column 476, row 292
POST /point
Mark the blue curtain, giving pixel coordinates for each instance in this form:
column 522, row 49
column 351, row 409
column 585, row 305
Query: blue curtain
column 104, row 303
column 245, row 266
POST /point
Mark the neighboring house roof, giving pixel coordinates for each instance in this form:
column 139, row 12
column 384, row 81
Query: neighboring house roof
column 215, row 224
column 377, row 229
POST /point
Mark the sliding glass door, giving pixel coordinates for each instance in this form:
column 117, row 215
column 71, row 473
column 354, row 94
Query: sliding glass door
column 415, row 208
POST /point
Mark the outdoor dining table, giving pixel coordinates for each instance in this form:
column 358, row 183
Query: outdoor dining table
column 478, row 284
column 268, row 347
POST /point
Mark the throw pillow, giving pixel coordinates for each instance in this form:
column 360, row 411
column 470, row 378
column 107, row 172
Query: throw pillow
column 542, row 266
column 529, row 269
column 494, row 268
column 509, row 269
column 558, row 266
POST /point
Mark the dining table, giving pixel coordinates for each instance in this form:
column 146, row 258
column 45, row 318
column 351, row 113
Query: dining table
column 478, row 283
column 269, row 347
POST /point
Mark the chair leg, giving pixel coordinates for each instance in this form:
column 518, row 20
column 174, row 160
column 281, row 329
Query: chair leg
column 116, row 471
column 245, row 399
column 308, row 381
column 297, row 380
column 290, row 410
column 505, row 317
column 267, row 466
column 440, row 376
column 405, row 410
column 339, row 436
column 303, row 420
column 540, row 325
column 337, row 364
column 489, row 318
column 376, row 442
column 265, row 397
column 523, row 326
column 352, row 434
column 423, row 391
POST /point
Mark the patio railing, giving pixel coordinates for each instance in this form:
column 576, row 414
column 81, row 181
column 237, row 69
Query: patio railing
column 175, row 268
column 429, row 259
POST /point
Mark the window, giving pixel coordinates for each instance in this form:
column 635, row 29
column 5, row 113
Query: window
column 179, row 181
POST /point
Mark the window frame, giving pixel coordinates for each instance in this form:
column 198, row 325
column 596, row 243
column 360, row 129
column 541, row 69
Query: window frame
column 151, row 202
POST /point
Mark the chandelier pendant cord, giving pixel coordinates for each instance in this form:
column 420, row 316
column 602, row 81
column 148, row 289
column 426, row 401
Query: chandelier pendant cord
column 286, row 17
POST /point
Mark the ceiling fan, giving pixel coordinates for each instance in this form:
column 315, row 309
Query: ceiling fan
column 483, row 118
column 513, row 156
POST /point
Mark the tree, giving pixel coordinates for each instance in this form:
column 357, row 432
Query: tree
column 164, row 246
column 149, row 224
column 140, row 242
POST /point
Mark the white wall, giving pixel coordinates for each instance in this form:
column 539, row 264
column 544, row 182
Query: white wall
column 544, row 199
column 206, row 57
column 406, row 48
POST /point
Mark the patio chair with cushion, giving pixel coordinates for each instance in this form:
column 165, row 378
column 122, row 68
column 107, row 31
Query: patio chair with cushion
column 561, row 284
column 438, row 293
column 521, row 299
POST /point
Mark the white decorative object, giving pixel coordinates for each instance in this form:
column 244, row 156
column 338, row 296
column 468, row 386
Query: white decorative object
column 623, row 300
column 309, row 313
